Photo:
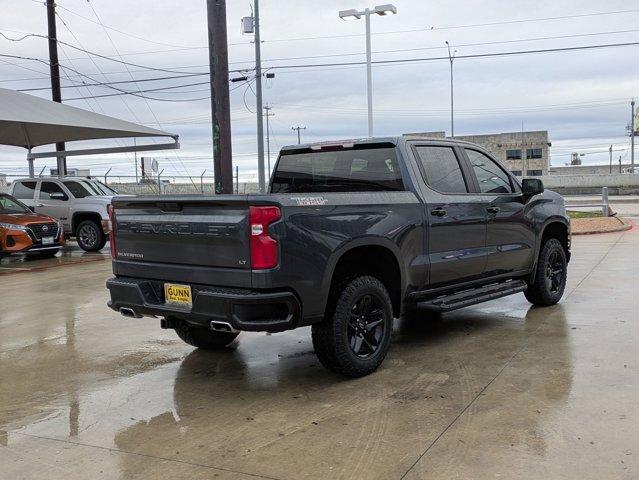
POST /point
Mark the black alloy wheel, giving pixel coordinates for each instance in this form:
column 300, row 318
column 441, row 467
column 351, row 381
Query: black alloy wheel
column 366, row 326
column 554, row 272
column 354, row 336
column 550, row 277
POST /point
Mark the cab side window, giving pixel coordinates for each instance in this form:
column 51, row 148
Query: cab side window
column 441, row 169
column 24, row 190
column 490, row 176
column 47, row 188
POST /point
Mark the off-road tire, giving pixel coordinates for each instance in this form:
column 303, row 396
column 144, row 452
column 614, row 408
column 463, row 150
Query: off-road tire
column 330, row 337
column 538, row 292
column 94, row 239
column 204, row 338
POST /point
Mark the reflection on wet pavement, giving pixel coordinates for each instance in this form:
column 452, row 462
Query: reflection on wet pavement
column 70, row 254
column 497, row 390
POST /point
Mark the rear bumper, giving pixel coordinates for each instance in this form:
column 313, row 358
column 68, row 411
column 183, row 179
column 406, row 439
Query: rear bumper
column 243, row 309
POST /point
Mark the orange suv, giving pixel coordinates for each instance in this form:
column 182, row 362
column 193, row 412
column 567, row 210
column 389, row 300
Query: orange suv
column 22, row 231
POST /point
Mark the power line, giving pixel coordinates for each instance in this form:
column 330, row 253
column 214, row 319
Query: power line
column 119, row 82
column 137, row 92
column 120, row 31
column 388, row 61
column 131, row 75
column 451, row 27
column 378, row 62
column 99, row 55
column 476, row 55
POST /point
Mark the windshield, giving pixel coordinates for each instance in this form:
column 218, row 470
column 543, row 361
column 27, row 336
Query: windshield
column 84, row 188
column 10, row 205
column 359, row 170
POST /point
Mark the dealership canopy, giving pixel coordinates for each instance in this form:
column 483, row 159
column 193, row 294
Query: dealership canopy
column 29, row 122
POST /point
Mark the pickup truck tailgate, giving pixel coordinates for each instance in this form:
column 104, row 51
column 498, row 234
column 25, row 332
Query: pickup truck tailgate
column 186, row 231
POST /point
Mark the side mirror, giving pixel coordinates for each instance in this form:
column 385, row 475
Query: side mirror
column 58, row 196
column 532, row 186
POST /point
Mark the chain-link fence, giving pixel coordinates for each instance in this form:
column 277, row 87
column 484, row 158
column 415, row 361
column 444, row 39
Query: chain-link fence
column 159, row 184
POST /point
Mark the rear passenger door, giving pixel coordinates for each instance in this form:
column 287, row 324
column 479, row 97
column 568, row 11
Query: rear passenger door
column 456, row 233
column 25, row 192
column 510, row 238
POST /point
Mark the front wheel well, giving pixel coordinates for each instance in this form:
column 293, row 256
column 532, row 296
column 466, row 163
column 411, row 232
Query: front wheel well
column 375, row 261
column 558, row 230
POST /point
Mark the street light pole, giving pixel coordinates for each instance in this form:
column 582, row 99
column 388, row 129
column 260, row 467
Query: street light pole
column 451, row 58
column 369, row 73
column 366, row 13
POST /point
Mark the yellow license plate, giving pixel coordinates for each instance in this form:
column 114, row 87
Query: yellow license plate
column 178, row 294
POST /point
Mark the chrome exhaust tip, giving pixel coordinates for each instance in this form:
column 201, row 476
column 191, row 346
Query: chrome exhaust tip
column 129, row 312
column 222, row 327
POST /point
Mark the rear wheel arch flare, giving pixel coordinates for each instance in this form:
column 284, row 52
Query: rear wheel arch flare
column 366, row 257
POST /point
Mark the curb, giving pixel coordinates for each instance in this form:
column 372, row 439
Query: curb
column 625, row 225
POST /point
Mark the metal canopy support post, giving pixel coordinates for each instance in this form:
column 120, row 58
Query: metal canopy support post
column 30, row 160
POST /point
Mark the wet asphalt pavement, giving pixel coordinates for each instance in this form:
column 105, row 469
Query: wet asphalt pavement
column 499, row 390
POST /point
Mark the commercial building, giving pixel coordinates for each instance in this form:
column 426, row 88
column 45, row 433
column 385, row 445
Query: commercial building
column 526, row 153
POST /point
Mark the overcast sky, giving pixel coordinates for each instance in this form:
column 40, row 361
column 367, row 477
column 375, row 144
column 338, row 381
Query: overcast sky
column 581, row 97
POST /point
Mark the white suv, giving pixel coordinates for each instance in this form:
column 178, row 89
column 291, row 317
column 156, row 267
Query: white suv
column 79, row 203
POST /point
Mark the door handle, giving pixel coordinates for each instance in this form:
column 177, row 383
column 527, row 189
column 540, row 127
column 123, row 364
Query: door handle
column 492, row 209
column 438, row 212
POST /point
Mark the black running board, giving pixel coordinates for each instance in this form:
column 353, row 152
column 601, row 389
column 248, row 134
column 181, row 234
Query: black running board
column 446, row 303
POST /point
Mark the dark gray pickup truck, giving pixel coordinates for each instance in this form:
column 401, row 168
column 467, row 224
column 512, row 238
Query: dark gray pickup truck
column 351, row 235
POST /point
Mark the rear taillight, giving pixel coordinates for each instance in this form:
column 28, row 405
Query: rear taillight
column 111, row 211
column 263, row 247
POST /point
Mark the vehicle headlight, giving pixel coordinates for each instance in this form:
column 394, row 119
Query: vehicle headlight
column 11, row 226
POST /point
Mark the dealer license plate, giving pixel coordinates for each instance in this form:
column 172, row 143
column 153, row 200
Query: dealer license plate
column 178, row 294
column 47, row 240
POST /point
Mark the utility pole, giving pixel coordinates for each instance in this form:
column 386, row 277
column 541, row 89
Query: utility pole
column 220, row 104
column 298, row 128
column 258, row 98
column 451, row 57
column 267, row 113
column 610, row 151
column 54, row 68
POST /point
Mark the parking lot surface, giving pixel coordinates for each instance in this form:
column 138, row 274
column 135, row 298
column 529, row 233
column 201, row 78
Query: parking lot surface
column 499, row 390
